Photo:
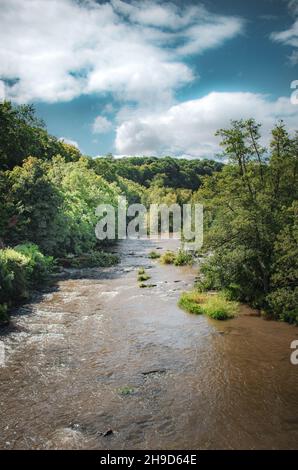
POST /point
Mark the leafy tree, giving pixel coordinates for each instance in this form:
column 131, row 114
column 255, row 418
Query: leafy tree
column 33, row 204
column 247, row 211
column 22, row 135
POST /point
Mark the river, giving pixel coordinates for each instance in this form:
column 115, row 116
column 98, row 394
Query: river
column 99, row 363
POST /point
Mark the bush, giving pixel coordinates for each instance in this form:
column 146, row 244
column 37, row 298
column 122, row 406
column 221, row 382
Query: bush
column 191, row 302
column 219, row 308
column 168, row 257
column 20, row 269
column 183, row 258
column 283, row 304
column 39, row 264
column 215, row 306
column 154, row 255
column 14, row 276
column 142, row 275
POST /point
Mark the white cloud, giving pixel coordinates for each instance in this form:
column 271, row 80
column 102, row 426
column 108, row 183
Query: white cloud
column 289, row 36
column 189, row 127
column 101, row 125
column 74, row 143
column 56, row 50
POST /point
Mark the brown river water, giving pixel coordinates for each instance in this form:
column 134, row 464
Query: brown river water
column 99, row 363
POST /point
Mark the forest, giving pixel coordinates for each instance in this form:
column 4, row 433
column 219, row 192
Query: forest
column 50, row 190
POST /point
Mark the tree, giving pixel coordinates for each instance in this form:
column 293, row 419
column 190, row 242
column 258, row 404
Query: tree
column 33, row 204
column 22, row 135
column 247, row 210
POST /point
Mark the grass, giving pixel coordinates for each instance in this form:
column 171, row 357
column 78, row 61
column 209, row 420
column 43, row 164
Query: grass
column 168, row 257
column 154, row 255
column 142, row 277
column 191, row 302
column 182, row 258
column 215, row 306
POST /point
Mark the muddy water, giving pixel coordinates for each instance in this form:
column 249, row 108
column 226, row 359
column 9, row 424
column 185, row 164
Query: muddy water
column 100, row 354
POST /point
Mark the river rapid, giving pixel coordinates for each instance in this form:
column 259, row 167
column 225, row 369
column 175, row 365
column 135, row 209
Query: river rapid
column 99, row 363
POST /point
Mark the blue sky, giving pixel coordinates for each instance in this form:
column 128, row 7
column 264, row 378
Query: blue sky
column 150, row 77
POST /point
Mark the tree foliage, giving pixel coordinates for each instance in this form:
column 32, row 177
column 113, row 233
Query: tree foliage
column 251, row 219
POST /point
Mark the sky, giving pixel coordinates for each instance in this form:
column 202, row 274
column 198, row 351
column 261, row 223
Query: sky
column 150, row 77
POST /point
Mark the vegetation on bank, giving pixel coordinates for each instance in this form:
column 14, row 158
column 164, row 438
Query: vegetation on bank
column 154, row 255
column 215, row 306
column 181, row 258
column 143, row 277
column 93, row 259
column 251, row 227
column 21, row 270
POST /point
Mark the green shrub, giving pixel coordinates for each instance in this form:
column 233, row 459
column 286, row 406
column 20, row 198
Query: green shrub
column 154, row 255
column 20, row 269
column 215, row 306
column 183, row 258
column 219, row 308
column 168, row 257
column 15, row 273
column 191, row 302
column 283, row 304
column 39, row 265
column 143, row 277
column 141, row 271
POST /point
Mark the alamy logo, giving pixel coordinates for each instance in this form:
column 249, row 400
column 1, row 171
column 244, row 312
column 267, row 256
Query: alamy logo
column 294, row 355
column 135, row 221
column 294, row 95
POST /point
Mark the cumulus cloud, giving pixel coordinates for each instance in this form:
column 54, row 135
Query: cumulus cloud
column 60, row 49
column 189, row 127
column 101, row 125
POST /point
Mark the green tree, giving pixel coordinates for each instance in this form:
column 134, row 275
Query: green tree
column 246, row 210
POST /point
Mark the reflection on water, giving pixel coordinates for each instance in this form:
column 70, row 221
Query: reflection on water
column 190, row 383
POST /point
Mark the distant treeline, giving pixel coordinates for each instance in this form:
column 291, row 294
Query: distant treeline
column 168, row 171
